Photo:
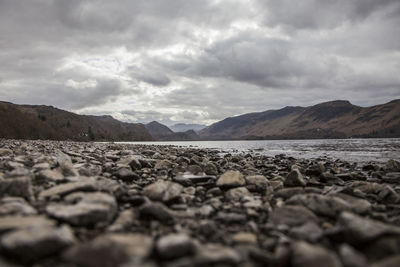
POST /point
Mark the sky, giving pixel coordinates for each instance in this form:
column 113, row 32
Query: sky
column 197, row 61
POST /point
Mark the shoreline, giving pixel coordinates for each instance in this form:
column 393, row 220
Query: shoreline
column 155, row 205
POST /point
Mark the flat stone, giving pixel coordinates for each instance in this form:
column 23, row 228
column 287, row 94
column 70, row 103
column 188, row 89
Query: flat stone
column 175, row 246
column 49, row 175
column 86, row 185
column 156, row 211
column 189, row 179
column 295, row 178
column 214, row 254
column 92, row 208
column 307, row 255
column 5, row 152
column 231, row 179
column 19, row 222
column 36, row 242
column 292, row 215
column 358, row 230
column 321, row 204
column 244, row 238
column 236, row 194
column 111, row 250
column 163, row 191
column 257, row 183
column 18, row 187
column 15, row 206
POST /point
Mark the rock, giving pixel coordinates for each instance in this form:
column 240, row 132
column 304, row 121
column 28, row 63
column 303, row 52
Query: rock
column 391, row 165
column 124, row 220
column 306, row 255
column 393, row 261
column 358, row 230
column 309, row 231
column 292, row 215
column 135, row 164
column 15, row 206
column 87, row 185
column 5, row 152
column 210, row 169
column 156, row 211
column 18, row 187
column 163, row 191
column 36, row 242
column 49, row 175
column 126, row 175
column 320, row 204
column 295, row 178
column 188, row 179
column 231, row 218
column 20, row 222
column 214, row 254
column 257, row 183
column 111, row 250
column 244, row 238
column 175, row 246
column 163, row 165
column 91, row 208
column 236, row 194
column 231, row 179
column 350, row 257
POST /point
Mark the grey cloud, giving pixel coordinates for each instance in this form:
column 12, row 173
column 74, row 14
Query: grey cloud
column 312, row 14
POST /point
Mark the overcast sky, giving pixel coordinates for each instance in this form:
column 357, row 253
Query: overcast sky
column 197, row 60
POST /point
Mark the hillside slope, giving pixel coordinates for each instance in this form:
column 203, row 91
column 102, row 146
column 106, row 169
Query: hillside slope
column 163, row 133
column 335, row 119
column 46, row 122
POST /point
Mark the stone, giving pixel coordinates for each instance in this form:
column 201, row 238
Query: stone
column 214, row 254
column 393, row 261
column 350, row 257
column 135, row 164
column 20, row 222
column 126, row 175
column 163, row 165
column 244, row 238
column 231, row 179
column 321, row 204
column 358, row 230
column 175, row 246
column 210, row 169
column 307, row 255
column 295, row 178
column 91, row 208
column 236, row 194
column 156, row 211
column 125, row 219
column 111, row 250
column 292, row 215
column 392, row 165
column 309, row 231
column 5, row 152
column 18, row 187
column 188, row 179
column 15, row 206
column 36, row 242
column 257, row 183
column 163, row 191
column 87, row 185
column 49, row 175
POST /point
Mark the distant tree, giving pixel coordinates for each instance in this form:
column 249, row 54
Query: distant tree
column 90, row 134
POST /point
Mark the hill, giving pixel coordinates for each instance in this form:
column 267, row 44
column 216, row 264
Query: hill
column 163, row 133
column 335, row 119
column 47, row 122
column 183, row 127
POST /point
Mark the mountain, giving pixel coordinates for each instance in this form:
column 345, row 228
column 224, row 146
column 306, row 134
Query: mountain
column 335, row 119
column 183, row 127
column 163, row 133
column 47, row 122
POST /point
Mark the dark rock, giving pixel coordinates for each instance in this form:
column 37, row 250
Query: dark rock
column 126, row 175
column 350, row 257
column 163, row 191
column 307, row 255
column 257, row 183
column 156, row 211
column 174, row 246
column 295, row 178
column 292, row 215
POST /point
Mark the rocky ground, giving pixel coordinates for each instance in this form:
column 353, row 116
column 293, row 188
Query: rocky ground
column 101, row 204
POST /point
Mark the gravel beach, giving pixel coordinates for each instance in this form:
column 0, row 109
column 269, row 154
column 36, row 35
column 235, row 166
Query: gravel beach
column 104, row 204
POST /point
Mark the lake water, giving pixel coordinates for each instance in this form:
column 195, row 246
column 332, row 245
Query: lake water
column 353, row 150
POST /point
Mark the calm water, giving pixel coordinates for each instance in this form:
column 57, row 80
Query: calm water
column 355, row 150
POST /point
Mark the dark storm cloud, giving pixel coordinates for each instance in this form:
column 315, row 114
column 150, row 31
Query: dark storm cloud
column 197, row 61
